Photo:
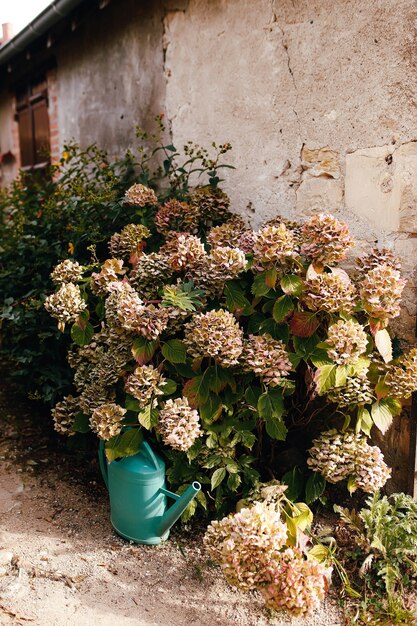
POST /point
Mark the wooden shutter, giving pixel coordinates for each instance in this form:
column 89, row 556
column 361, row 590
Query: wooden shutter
column 27, row 155
column 41, row 131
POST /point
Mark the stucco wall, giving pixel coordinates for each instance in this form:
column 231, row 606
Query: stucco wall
column 110, row 75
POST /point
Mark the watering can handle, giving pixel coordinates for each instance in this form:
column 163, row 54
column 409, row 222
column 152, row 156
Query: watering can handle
column 103, row 463
column 148, row 450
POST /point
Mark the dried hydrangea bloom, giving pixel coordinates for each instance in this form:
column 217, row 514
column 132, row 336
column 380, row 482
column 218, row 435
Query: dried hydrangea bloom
column 348, row 455
column 67, row 272
column 380, row 292
column 371, row 472
column 213, row 204
column 64, row 414
column 211, row 272
column 66, row 304
column 329, row 292
column 295, row 228
column 189, row 249
column 347, row 341
column 274, row 245
column 333, row 455
column 129, row 240
column 177, row 216
column 110, row 272
column 106, row 420
column 247, row 241
column 215, row 334
column 117, row 291
column 94, row 395
column 401, row 378
column 144, row 384
column 267, row 358
column 150, row 274
column 244, row 543
column 376, row 257
column 227, row 234
column 294, row 584
column 140, row 195
column 148, row 321
column 356, row 390
column 327, row 240
column 176, row 320
column 179, row 424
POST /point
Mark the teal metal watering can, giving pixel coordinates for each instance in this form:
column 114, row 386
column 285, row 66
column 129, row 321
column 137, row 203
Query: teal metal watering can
column 138, row 498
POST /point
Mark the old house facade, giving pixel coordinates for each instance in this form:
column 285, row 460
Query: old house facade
column 318, row 99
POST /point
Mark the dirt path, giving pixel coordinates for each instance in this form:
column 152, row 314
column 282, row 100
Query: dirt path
column 61, row 563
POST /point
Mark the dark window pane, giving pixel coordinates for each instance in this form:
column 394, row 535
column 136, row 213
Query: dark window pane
column 41, row 131
column 26, row 137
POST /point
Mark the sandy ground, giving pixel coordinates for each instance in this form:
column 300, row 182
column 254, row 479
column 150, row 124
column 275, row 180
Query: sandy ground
column 61, row 563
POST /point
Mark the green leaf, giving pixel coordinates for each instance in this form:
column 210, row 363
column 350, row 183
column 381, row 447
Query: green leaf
column 270, row 404
column 277, row 331
column 276, row 428
column 148, row 417
column 131, row 404
column 295, row 481
column 351, row 485
column 271, row 278
column 211, row 410
column 236, row 299
column 319, row 357
column 82, row 336
column 384, row 344
column 364, row 422
column 319, row 553
column 315, row 486
column 292, row 285
column 304, row 324
column 143, row 350
column 81, row 423
column 381, row 415
column 341, row 375
column 303, row 517
column 325, row 378
column 174, row 351
column 196, row 390
column 218, row 477
column 169, row 387
column 282, row 308
column 233, row 482
column 126, row 444
column 252, row 396
column 259, row 288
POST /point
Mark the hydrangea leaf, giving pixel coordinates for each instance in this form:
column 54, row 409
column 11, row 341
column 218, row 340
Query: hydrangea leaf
column 283, row 307
column 276, row 428
column 236, row 299
column 81, row 423
column 218, row 477
column 82, row 335
column 143, row 350
column 126, row 444
column 211, row 410
column 292, row 285
column 364, row 422
column 148, row 417
column 325, row 378
column 174, row 351
column 384, row 344
column 315, row 486
column 381, row 415
column 259, row 286
column 304, row 324
column 169, row 387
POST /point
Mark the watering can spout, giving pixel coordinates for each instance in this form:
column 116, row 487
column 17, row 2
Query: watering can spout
column 178, row 508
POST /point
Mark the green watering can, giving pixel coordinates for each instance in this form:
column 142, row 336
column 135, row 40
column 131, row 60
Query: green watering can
column 138, row 498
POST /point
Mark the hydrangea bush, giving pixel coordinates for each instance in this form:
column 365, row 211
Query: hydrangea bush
column 229, row 348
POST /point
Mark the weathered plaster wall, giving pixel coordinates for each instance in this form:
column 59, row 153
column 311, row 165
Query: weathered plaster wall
column 110, row 76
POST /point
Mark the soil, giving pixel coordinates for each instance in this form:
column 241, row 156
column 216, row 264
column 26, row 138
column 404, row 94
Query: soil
column 61, row 563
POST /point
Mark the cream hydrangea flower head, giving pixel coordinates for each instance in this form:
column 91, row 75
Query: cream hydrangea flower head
column 347, row 341
column 356, row 390
column 144, row 384
column 227, row 234
column 179, row 424
column 329, row 292
column 129, row 240
column 295, row 584
column 188, row 250
column 401, row 378
column 267, row 358
column 177, row 216
column 67, row 272
column 106, row 420
column 327, row 240
column 66, row 304
column 274, row 245
column 140, row 195
column 151, row 272
column 111, row 271
column 244, row 543
column 64, row 413
column 215, row 334
column 380, row 292
column 213, row 204
column 376, row 257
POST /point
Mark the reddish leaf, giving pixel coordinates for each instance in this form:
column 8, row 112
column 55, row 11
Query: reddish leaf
column 271, row 278
column 304, row 324
column 376, row 325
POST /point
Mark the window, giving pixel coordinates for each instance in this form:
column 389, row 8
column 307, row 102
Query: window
column 33, row 120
